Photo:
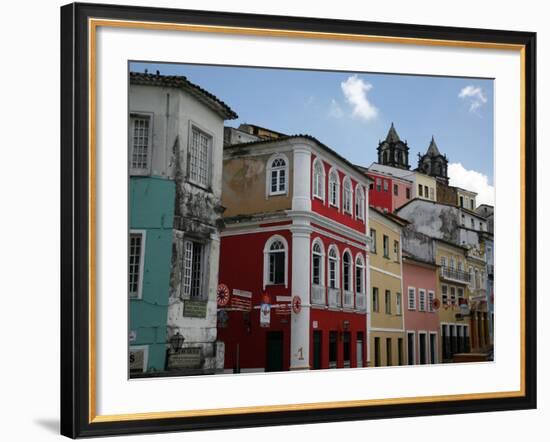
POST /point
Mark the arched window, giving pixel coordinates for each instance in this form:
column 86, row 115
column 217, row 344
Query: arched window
column 359, row 202
column 359, row 274
column 276, row 261
column 277, row 175
column 347, row 195
column 334, row 188
column 333, row 281
column 317, row 267
column 318, row 179
column 347, row 269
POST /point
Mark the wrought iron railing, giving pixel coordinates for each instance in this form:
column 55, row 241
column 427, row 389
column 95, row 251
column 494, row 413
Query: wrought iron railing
column 456, row 275
column 334, row 297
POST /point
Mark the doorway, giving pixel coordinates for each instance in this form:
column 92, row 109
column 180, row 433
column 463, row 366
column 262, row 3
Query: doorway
column 274, row 351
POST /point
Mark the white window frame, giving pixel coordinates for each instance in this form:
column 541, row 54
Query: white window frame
column 143, row 233
column 145, row 349
column 375, row 305
column 373, row 239
column 315, row 182
column 422, row 300
column 322, row 262
column 359, row 202
column 267, row 250
column 147, row 170
column 411, row 290
column 360, row 264
column 387, row 305
column 336, row 267
column 185, row 293
column 333, row 181
column 269, row 171
column 351, row 275
column 192, row 127
column 446, row 294
column 398, row 304
column 347, row 198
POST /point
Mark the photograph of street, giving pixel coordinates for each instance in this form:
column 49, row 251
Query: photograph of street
column 286, row 219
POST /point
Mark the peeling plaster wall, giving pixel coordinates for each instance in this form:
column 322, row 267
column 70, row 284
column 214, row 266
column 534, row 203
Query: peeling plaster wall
column 418, row 245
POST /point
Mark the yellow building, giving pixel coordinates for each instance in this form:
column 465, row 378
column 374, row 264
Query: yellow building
column 387, row 344
column 477, row 294
column 425, row 187
column 452, row 292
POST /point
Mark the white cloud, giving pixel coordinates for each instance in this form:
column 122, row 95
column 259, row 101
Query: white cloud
column 475, row 96
column 335, row 110
column 355, row 90
column 472, row 180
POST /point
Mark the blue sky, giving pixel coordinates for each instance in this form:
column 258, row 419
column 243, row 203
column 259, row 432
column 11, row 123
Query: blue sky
column 351, row 112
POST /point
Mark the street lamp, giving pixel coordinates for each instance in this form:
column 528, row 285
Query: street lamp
column 176, row 341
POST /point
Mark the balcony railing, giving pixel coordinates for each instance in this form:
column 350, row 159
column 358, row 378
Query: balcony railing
column 334, row 298
column 318, row 295
column 348, row 299
column 360, row 301
column 455, row 275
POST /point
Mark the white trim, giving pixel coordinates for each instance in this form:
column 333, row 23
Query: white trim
column 408, row 298
column 336, row 269
column 422, row 292
column 359, row 191
column 321, row 197
column 267, row 247
column 385, row 272
column 322, row 263
column 145, row 349
column 272, row 158
column 345, row 181
column 143, row 233
column 143, row 115
column 196, row 126
column 334, row 171
column 431, row 295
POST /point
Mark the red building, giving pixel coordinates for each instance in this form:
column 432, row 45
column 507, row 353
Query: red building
column 295, row 238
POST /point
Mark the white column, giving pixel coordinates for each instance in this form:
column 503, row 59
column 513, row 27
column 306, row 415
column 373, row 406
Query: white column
column 299, row 322
column 301, row 179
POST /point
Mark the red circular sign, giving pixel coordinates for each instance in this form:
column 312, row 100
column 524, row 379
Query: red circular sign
column 436, row 303
column 223, row 295
column 296, row 304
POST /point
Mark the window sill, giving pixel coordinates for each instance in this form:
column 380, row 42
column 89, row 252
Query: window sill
column 200, row 186
column 278, row 193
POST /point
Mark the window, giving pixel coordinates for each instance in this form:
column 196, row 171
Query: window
column 386, row 243
column 359, row 203
column 444, row 298
column 198, row 157
column 375, row 300
column 347, row 195
column 359, row 274
column 432, row 197
column 426, row 191
column 135, row 262
column 408, row 193
column 333, row 188
column 443, row 261
column 452, row 263
column 463, row 219
column 317, row 263
column 396, row 249
column 460, row 292
column 373, row 240
column 396, row 190
column 398, row 307
column 277, row 175
column 333, row 268
column 412, row 298
column 421, row 300
column 453, row 295
column 431, row 297
column 378, row 184
column 480, row 225
column 472, row 223
column 472, row 204
column 420, row 190
column 318, row 179
column 387, row 302
column 347, row 281
column 140, row 152
column 471, row 276
column 275, row 261
column 461, row 199
column 385, row 185
column 192, row 270
column 459, row 266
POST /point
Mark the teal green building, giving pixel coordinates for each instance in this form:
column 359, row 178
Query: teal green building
column 150, row 250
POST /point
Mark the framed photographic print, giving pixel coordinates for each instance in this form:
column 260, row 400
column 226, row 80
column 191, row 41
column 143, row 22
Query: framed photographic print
column 273, row 220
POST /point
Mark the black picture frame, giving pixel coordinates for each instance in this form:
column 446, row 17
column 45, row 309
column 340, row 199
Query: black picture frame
column 75, row 220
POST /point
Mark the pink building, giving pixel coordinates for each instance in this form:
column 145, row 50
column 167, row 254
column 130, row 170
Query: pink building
column 421, row 319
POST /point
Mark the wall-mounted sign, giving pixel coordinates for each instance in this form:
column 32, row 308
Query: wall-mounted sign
column 241, row 300
column 296, row 304
column 186, row 358
column 194, row 309
column 436, row 303
column 315, row 324
column 137, row 360
column 222, row 295
column 265, row 311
